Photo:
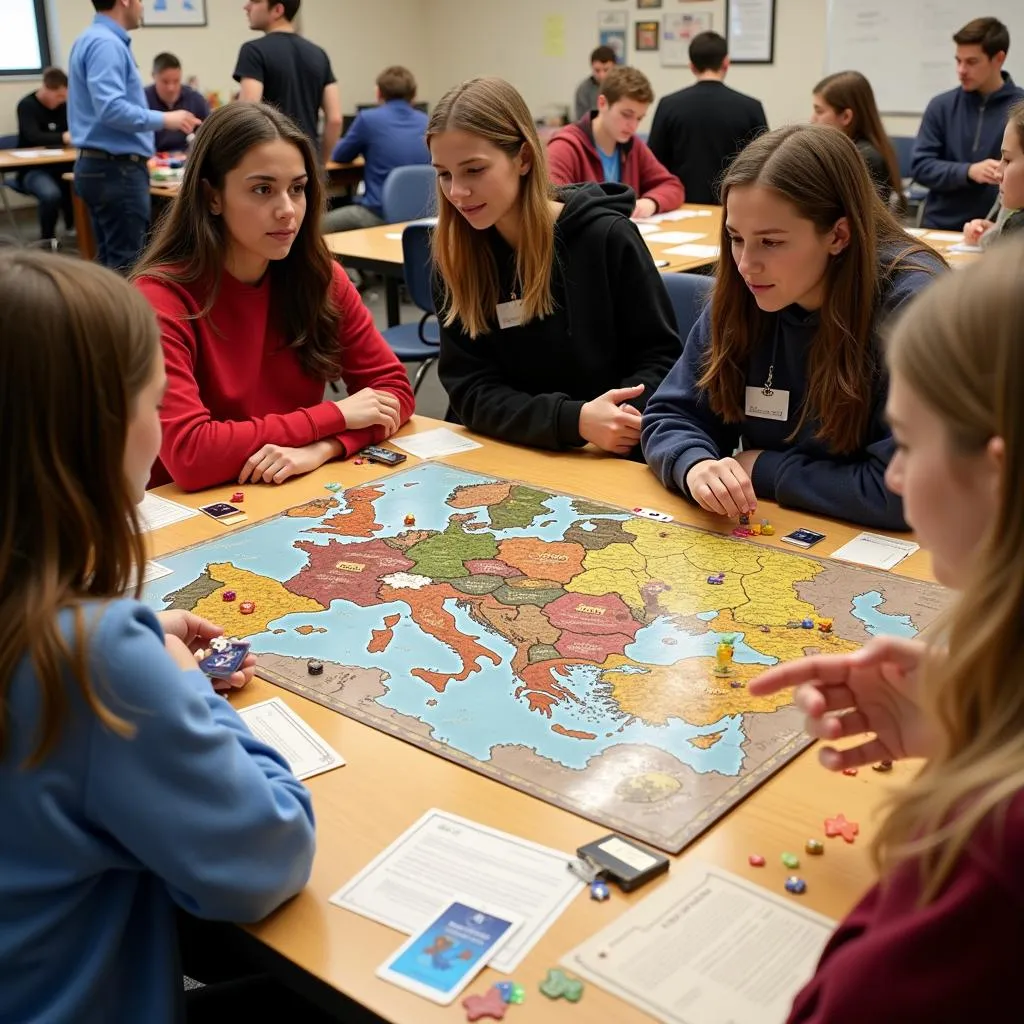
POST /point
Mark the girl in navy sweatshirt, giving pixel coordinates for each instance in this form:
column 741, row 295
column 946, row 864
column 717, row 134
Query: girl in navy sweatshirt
column 555, row 326
column 939, row 938
column 130, row 792
column 785, row 361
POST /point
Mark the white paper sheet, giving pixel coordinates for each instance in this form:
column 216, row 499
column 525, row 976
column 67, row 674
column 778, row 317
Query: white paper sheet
column 432, row 444
column 702, row 252
column 659, row 218
column 916, row 232
column 944, row 236
column 706, row 947
column 30, row 154
column 876, row 549
column 155, row 512
column 155, row 571
column 279, row 727
column 676, row 237
column 964, row 247
column 393, row 235
column 645, row 228
column 442, row 857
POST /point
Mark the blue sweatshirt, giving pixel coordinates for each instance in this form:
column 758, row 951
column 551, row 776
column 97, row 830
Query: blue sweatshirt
column 102, row 840
column 680, row 430
column 960, row 128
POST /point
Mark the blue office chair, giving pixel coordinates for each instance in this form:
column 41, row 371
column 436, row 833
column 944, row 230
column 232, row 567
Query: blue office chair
column 419, row 342
column 409, row 193
column 10, row 142
column 913, row 195
column 689, row 294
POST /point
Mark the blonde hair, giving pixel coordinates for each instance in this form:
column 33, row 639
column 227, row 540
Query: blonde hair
column 493, row 110
column 958, row 348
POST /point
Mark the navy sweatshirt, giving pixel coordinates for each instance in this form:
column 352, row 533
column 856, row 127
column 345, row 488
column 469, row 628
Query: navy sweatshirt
column 612, row 327
column 960, row 128
column 680, row 430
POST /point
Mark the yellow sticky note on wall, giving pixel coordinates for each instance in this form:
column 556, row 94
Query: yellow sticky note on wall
column 554, row 35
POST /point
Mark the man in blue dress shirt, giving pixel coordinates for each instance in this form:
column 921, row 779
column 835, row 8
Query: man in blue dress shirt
column 113, row 127
column 388, row 136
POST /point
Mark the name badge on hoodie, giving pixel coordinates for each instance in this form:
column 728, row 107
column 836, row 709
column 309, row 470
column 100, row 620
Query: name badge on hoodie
column 510, row 314
column 768, row 403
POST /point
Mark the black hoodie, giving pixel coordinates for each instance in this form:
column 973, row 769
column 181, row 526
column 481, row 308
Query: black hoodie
column 612, row 327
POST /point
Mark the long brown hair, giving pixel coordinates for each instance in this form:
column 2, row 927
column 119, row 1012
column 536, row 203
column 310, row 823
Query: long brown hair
column 958, row 348
column 493, row 110
column 77, row 345
column 850, row 90
column 190, row 243
column 819, row 171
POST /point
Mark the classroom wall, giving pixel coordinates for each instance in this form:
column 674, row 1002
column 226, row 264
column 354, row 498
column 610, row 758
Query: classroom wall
column 516, row 50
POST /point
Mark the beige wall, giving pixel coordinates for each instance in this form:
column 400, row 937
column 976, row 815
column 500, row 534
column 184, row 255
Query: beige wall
column 445, row 41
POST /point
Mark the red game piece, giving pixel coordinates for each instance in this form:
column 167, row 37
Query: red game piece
column 357, row 462
column 742, row 531
column 755, row 860
column 849, row 771
column 490, row 1004
column 839, row 826
column 228, row 595
column 247, row 607
column 238, row 496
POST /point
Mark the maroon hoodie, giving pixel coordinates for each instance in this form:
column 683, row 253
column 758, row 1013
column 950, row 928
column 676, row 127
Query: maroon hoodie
column 954, row 961
column 573, row 157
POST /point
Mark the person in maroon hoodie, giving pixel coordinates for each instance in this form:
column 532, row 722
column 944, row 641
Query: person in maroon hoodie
column 604, row 147
column 256, row 318
column 939, row 939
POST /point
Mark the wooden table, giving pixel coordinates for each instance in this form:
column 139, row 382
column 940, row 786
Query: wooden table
column 379, row 251
column 10, row 163
column 388, row 784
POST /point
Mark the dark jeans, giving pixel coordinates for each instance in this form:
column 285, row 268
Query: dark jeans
column 234, row 969
column 53, row 196
column 117, row 195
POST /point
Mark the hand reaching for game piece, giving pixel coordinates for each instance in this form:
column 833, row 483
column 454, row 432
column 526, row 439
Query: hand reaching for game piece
column 187, row 638
column 371, row 408
column 609, row 423
column 873, row 690
column 275, row 463
column 722, row 486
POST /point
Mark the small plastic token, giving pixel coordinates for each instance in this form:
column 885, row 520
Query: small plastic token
column 315, row 668
column 247, row 607
column 815, row 847
column 790, row 860
column 228, row 595
column 796, row 885
column 882, row 766
column 755, row 860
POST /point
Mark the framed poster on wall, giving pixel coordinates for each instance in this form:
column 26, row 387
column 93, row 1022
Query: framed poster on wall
column 179, row 13
column 676, row 32
column 750, row 31
column 611, row 31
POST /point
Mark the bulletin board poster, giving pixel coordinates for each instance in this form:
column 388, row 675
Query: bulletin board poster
column 174, row 12
column 676, row 32
column 611, row 31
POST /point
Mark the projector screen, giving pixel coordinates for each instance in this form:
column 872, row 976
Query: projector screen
column 24, row 48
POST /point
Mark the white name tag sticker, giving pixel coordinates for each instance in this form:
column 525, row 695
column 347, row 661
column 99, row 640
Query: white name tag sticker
column 771, row 406
column 510, row 314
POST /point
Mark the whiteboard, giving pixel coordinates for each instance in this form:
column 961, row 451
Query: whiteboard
column 905, row 47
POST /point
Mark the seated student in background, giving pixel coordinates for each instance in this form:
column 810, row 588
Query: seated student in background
column 846, row 101
column 698, row 130
column 43, row 124
column 603, row 146
column 785, row 360
column 1010, row 216
column 130, row 791
column 387, row 137
column 602, row 60
column 555, row 325
column 256, row 318
column 950, row 847
column 956, row 155
column 167, row 93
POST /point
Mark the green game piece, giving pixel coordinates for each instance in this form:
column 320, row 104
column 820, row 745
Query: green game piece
column 518, row 994
column 791, row 860
column 558, row 985
column 332, row 487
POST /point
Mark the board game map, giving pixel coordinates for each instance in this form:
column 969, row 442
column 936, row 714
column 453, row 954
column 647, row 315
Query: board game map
column 562, row 646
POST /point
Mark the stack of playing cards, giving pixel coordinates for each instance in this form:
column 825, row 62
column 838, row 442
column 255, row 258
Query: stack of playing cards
column 225, row 657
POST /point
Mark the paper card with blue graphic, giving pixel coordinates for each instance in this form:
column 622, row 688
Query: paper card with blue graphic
column 439, row 961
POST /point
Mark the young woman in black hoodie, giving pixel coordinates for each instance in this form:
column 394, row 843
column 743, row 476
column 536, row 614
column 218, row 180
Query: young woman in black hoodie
column 555, row 325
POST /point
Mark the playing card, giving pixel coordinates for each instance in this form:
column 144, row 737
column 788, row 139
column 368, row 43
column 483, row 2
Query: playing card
column 225, row 663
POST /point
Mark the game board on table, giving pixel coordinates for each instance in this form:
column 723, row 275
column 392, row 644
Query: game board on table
column 564, row 647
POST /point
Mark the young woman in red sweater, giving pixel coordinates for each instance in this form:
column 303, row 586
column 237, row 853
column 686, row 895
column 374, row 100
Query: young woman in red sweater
column 939, row 939
column 256, row 317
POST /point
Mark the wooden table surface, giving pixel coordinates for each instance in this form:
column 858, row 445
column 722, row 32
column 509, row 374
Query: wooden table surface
column 387, row 784
column 9, row 162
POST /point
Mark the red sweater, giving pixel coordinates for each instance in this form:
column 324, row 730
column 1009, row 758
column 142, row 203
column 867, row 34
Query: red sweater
column 233, row 386
column 954, row 961
column 573, row 157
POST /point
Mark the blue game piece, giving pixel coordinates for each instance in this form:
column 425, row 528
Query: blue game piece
column 808, row 624
column 504, row 990
column 796, row 885
column 715, row 581
column 599, row 890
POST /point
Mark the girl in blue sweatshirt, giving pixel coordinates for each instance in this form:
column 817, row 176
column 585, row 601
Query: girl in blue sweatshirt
column 785, row 363
column 129, row 790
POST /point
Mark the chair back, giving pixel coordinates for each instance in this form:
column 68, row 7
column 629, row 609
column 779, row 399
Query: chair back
column 904, row 146
column 689, row 294
column 8, row 141
column 409, row 193
column 418, row 264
